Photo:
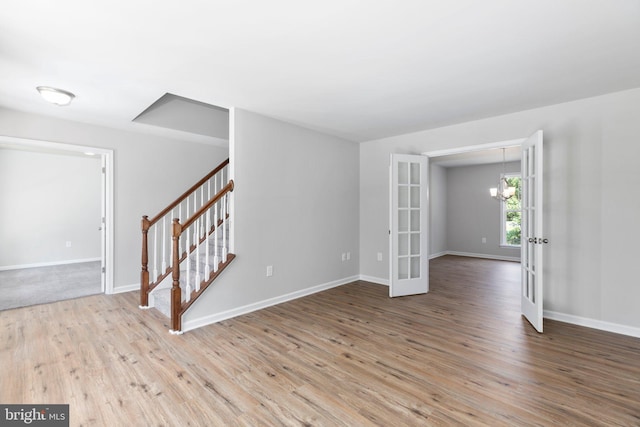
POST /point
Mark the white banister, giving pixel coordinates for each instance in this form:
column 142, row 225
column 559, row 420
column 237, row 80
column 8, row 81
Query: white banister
column 216, row 257
column 224, row 229
column 158, row 251
column 207, row 267
column 198, row 244
column 164, row 243
column 195, row 201
column 155, row 252
column 188, row 262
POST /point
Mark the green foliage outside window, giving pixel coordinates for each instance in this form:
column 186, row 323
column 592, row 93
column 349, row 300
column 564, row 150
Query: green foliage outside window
column 513, row 220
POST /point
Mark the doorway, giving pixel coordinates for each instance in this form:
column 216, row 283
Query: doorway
column 459, row 185
column 100, row 161
column 531, row 201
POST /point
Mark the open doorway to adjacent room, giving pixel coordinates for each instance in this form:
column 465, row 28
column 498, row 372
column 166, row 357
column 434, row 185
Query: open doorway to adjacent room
column 55, row 222
column 469, row 234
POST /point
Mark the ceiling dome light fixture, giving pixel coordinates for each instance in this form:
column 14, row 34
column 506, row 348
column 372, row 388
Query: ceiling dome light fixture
column 55, row 96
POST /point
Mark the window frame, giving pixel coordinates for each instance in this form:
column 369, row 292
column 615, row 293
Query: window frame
column 504, row 211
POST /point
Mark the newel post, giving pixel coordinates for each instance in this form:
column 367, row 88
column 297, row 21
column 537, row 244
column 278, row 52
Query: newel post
column 176, row 293
column 144, row 275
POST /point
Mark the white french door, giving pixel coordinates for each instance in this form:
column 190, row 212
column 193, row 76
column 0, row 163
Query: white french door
column 103, row 225
column 409, row 224
column 532, row 241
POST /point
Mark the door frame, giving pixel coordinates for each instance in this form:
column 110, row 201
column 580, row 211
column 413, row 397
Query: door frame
column 106, row 196
column 471, row 148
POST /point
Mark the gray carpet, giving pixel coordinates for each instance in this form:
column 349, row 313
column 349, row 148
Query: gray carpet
column 31, row 286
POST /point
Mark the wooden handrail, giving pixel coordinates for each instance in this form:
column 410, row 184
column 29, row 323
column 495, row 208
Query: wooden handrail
column 177, row 308
column 145, row 285
column 186, row 194
column 197, row 214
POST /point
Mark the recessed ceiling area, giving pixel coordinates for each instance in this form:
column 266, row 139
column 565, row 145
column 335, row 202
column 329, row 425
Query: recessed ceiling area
column 187, row 115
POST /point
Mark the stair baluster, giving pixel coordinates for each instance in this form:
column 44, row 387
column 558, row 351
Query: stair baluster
column 161, row 259
column 207, row 267
column 216, row 256
column 224, row 229
column 198, row 244
column 164, row 243
column 191, row 229
column 188, row 265
column 155, row 252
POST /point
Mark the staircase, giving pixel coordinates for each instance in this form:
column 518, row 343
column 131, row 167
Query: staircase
column 181, row 259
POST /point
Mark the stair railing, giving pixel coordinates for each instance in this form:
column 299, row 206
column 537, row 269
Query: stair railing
column 205, row 239
column 157, row 231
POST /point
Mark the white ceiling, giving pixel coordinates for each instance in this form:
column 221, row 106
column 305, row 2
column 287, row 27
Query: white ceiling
column 357, row 69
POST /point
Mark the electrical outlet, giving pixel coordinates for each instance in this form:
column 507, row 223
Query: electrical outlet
column 379, row 256
column 68, row 244
column 348, row 256
column 269, row 270
column 344, row 256
column 484, row 240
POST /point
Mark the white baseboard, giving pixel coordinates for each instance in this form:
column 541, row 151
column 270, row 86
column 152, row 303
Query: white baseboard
column 593, row 323
column 126, row 288
column 218, row 317
column 438, row 255
column 376, row 280
column 485, row 256
column 48, row 264
column 385, row 282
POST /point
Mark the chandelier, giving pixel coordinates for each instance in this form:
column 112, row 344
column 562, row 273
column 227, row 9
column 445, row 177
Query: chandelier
column 503, row 191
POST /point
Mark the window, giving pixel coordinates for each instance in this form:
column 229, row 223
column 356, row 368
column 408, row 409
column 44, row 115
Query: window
column 511, row 214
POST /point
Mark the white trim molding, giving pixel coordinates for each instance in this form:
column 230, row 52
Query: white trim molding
column 385, row 282
column 593, row 323
column 125, row 288
column 375, row 280
column 478, row 147
column 218, row 317
column 485, row 256
column 48, row 264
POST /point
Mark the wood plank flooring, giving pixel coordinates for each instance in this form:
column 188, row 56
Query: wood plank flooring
column 349, row 356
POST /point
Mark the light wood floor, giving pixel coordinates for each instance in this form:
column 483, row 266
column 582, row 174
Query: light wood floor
column 460, row 355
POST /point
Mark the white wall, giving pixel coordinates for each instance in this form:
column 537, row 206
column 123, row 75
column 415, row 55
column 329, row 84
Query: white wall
column 296, row 208
column 150, row 172
column 48, row 200
column 437, row 210
column 591, row 155
column 472, row 213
